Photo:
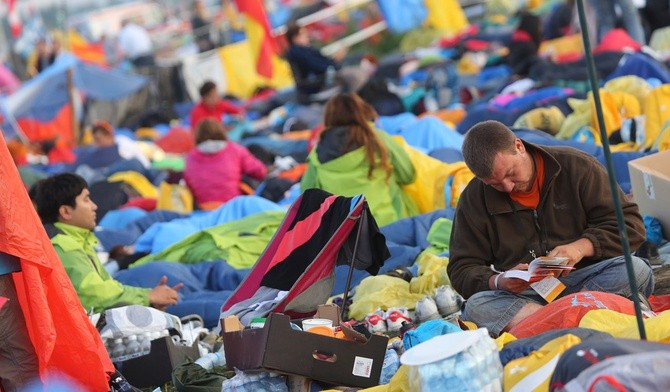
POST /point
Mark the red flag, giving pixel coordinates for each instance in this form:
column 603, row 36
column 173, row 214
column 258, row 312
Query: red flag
column 65, row 341
column 259, row 34
column 14, row 19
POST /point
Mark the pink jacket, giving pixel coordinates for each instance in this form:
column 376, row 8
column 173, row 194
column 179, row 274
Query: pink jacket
column 216, row 176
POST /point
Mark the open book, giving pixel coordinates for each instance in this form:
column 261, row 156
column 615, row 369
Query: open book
column 540, row 268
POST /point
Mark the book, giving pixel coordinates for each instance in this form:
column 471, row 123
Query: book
column 540, row 268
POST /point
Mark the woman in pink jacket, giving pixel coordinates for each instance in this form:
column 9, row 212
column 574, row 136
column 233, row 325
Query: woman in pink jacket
column 215, row 167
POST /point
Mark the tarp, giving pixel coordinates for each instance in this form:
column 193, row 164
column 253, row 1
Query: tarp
column 63, row 337
column 42, row 97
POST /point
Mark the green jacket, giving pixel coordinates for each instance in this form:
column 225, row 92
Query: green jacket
column 95, row 287
column 347, row 175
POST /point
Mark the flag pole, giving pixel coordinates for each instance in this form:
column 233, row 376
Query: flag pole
column 610, row 169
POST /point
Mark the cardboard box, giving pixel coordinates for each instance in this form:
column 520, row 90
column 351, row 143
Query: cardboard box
column 279, row 348
column 650, row 183
column 155, row 368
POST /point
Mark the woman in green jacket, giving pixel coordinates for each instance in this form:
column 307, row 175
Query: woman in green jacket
column 352, row 157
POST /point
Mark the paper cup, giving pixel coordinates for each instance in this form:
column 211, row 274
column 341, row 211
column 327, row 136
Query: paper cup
column 311, row 323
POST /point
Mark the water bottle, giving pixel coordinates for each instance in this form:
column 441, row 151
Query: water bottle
column 117, row 348
column 211, row 360
column 145, row 343
column 133, row 345
column 390, row 366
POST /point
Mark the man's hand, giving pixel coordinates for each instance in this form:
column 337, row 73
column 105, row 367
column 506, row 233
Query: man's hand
column 574, row 251
column 513, row 285
column 161, row 296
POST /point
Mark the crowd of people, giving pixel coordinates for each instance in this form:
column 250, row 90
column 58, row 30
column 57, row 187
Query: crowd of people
column 526, row 200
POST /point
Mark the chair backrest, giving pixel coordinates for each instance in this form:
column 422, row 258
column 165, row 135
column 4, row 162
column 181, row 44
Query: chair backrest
column 301, row 256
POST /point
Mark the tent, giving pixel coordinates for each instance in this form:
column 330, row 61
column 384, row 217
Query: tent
column 31, row 110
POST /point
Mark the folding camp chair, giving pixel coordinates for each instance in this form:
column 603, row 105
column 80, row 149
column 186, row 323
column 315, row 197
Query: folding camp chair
column 316, row 234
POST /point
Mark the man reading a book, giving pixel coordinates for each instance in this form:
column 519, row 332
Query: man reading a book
column 529, row 201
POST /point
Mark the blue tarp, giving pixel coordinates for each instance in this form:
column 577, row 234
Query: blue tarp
column 403, row 15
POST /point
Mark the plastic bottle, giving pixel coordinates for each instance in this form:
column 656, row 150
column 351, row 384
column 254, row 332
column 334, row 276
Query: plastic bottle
column 209, row 361
column 133, row 345
column 145, row 343
column 117, row 348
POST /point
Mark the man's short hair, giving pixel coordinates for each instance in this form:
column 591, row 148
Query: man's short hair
column 292, row 30
column 206, row 88
column 51, row 193
column 483, row 142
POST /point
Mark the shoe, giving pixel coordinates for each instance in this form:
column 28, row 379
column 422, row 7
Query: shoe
column 376, row 322
column 648, row 250
column 426, row 309
column 645, row 306
column 403, row 273
column 395, row 317
column 448, row 300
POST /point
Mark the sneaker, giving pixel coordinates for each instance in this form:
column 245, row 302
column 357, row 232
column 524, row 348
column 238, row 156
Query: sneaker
column 403, row 273
column 648, row 250
column 448, row 300
column 376, row 322
column 426, row 309
column 395, row 318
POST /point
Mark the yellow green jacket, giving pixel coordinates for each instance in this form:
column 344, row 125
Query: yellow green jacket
column 95, row 287
column 347, row 175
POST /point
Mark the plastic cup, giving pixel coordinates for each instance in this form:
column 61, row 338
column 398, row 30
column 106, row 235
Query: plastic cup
column 311, row 323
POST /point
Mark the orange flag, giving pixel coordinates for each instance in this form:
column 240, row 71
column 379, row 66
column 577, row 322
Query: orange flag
column 66, row 342
column 259, row 34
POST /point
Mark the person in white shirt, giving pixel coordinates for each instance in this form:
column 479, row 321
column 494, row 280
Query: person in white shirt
column 134, row 44
column 104, row 136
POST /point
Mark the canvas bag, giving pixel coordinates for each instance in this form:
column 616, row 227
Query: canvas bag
column 174, row 197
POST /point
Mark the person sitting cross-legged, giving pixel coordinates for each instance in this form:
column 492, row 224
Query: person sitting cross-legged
column 528, row 201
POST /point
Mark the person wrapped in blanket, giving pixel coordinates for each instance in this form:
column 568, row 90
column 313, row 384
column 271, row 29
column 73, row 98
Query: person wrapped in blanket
column 352, row 157
column 65, row 208
column 524, row 45
column 529, row 201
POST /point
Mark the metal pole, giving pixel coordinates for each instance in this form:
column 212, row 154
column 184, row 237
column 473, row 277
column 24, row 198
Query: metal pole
column 345, row 296
column 610, row 169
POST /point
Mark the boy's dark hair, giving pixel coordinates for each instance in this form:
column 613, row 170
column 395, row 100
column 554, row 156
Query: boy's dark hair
column 51, row 193
column 206, row 88
column 292, row 30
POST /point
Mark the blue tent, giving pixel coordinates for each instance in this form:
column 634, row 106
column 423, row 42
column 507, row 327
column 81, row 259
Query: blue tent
column 42, row 97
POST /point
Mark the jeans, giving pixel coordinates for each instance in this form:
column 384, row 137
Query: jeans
column 18, row 362
column 606, row 14
column 494, row 309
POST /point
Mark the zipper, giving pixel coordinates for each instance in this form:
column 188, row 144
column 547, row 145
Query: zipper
column 541, row 235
